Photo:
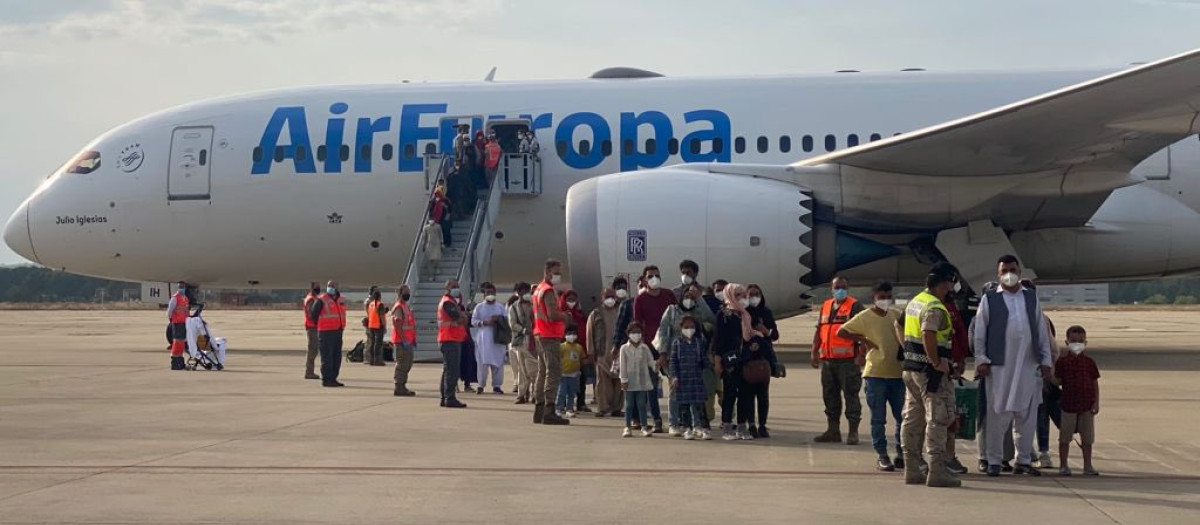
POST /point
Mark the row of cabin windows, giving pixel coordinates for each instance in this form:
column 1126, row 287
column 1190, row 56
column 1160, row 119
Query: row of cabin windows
column 763, row 145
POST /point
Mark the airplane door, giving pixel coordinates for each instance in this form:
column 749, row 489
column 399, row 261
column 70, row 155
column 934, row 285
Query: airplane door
column 188, row 177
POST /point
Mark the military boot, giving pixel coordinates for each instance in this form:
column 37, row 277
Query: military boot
column 833, row 434
column 940, row 475
column 852, row 434
column 538, row 416
column 913, row 473
column 550, row 418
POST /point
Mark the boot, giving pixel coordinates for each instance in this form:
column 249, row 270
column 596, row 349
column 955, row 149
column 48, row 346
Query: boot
column 852, row 434
column 940, row 475
column 177, row 363
column 833, row 434
column 913, row 473
column 538, row 416
column 550, row 418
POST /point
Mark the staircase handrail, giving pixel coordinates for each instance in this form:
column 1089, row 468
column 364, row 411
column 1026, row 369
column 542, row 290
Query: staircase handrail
column 476, row 259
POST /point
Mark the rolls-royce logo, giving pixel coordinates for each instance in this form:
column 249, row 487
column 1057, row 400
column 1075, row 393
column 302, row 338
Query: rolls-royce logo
column 130, row 158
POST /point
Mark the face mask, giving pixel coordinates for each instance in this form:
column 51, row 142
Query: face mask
column 455, row 292
column 884, row 304
column 330, row 290
column 635, row 338
column 957, row 287
column 841, row 294
column 491, row 298
column 755, row 301
column 527, row 297
column 571, row 338
column 571, row 304
column 406, row 297
column 689, row 332
column 654, row 282
column 687, row 279
column 622, row 293
column 1010, row 279
column 688, row 304
column 744, row 302
column 610, row 302
column 1076, row 348
column 556, row 278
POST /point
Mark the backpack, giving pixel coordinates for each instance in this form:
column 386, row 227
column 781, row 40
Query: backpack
column 501, row 332
column 356, row 355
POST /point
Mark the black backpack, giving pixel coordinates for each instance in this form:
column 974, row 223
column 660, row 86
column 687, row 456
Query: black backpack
column 356, row 355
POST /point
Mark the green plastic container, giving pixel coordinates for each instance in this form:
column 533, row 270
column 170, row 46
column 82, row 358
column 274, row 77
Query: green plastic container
column 966, row 400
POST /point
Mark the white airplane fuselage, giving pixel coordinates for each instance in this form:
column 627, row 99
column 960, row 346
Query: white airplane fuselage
column 236, row 217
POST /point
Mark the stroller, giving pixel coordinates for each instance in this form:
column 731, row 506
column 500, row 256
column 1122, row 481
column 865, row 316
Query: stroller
column 203, row 349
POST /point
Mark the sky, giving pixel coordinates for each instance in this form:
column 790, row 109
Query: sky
column 72, row 69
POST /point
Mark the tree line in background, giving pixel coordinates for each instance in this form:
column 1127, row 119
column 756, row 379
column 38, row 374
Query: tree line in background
column 35, row 284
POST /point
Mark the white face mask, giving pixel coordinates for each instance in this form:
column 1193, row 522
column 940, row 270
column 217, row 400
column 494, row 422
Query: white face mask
column 571, row 304
column 957, row 287
column 527, row 297
column 687, row 279
column 688, row 304
column 556, row 278
column 1010, row 279
column 1076, row 348
column 654, row 282
column 571, row 338
column 755, row 301
column 610, row 302
column 635, row 338
column 491, row 298
column 622, row 293
column 744, row 302
column 689, row 332
column 884, row 304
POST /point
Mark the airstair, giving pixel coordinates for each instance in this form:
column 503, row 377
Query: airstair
column 468, row 257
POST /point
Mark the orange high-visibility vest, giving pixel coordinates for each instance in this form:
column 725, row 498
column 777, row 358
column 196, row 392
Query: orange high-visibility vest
column 449, row 329
column 180, row 313
column 542, row 325
column 406, row 331
column 308, row 301
column 373, row 320
column 333, row 314
column 832, row 346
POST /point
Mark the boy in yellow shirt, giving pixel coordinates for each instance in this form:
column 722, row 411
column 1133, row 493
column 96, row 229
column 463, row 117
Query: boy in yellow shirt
column 875, row 330
column 568, row 388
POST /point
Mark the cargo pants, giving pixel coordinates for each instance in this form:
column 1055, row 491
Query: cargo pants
column 549, row 372
column 310, row 360
column 841, row 379
column 927, row 416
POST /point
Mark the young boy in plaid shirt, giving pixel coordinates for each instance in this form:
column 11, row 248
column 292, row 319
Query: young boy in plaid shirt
column 1079, row 377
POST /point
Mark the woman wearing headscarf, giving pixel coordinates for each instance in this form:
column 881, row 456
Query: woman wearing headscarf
column 521, row 350
column 734, row 330
column 757, row 394
column 601, row 329
column 570, row 306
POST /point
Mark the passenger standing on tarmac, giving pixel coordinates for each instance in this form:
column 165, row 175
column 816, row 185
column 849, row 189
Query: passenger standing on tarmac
column 601, row 326
column 549, row 326
column 758, row 395
column 329, row 312
column 733, row 332
column 713, row 294
column 669, row 329
column 404, row 340
column 451, row 332
column 376, row 329
column 648, row 309
column 587, row 369
column 489, row 355
column 929, row 400
column 875, row 330
column 177, row 314
column 310, row 329
column 840, row 361
column 522, row 351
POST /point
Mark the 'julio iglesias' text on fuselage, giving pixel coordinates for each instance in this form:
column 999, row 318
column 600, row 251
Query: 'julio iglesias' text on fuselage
column 707, row 138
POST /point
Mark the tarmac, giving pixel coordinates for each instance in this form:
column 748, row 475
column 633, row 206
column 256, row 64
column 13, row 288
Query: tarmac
column 94, row 428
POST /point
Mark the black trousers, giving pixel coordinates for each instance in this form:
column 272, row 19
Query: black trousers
column 732, row 382
column 755, row 394
column 330, row 342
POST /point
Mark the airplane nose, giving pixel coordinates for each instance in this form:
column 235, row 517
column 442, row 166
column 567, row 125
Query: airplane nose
column 16, row 233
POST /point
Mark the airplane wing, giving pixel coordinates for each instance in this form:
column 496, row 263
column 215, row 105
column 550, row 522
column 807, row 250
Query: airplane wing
column 1116, row 120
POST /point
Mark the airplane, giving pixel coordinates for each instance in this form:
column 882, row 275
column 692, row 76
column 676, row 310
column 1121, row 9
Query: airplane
column 785, row 181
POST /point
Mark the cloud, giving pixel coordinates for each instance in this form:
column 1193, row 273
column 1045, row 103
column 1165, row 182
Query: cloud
column 206, row 20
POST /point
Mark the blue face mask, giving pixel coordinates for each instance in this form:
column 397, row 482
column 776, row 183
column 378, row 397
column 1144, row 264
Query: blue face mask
column 841, row 294
column 330, row 290
column 455, row 292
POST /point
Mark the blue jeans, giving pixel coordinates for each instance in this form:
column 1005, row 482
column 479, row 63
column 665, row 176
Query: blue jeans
column 1049, row 410
column 637, row 404
column 673, row 409
column 881, row 393
column 692, row 415
column 568, row 388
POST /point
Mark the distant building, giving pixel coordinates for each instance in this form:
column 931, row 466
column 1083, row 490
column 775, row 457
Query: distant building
column 1073, row 294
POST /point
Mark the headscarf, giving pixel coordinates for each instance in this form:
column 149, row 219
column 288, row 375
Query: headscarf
column 731, row 291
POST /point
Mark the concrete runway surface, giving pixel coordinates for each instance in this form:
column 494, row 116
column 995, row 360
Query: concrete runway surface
column 94, row 428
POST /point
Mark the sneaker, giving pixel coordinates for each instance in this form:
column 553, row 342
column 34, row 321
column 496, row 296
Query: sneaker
column 628, row 432
column 983, row 466
column 521, row 401
column 674, row 431
column 899, row 462
column 570, row 414
column 308, row 375
column 1089, row 471
column 1064, row 471
column 744, row 434
column 883, row 464
column 454, row 403
column 1026, row 469
column 689, row 434
column 583, row 408
column 956, row 466
column 1006, row 467
column 993, row 471
column 647, row 433
column 658, row 427
column 753, row 431
column 727, row 433
column 478, row 390
column 762, row 432
column 1044, row 460
column 498, row 390
column 705, row 435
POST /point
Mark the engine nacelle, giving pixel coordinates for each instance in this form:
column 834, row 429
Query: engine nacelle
column 741, row 228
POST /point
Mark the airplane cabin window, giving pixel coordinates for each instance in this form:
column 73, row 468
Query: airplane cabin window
column 85, row 162
column 257, row 155
column 344, row 153
column 875, row 137
column 606, row 148
column 830, row 142
column 718, row 145
column 852, row 140
column 673, row 146
column 585, row 148
column 806, row 143
column 204, row 155
column 387, row 152
column 651, row 146
column 321, row 151
column 278, row 154
column 627, row 147
column 763, row 144
column 785, row 144
column 739, row 144
column 561, row 147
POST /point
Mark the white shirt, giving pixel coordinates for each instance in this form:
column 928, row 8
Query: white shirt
column 635, row 363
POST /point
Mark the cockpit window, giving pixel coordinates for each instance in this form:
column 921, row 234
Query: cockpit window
column 85, row 162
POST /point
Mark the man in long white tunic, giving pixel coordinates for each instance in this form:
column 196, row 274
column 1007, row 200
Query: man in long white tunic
column 1012, row 353
column 489, row 355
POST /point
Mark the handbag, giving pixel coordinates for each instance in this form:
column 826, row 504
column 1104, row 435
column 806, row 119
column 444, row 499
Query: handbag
column 501, row 332
column 756, row 371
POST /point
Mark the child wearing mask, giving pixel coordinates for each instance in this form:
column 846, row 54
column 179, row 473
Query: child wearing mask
column 689, row 359
column 1080, row 380
column 636, row 366
column 568, row 388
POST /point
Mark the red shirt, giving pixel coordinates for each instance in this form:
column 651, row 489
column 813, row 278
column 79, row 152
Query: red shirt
column 1078, row 375
column 649, row 310
column 960, row 344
